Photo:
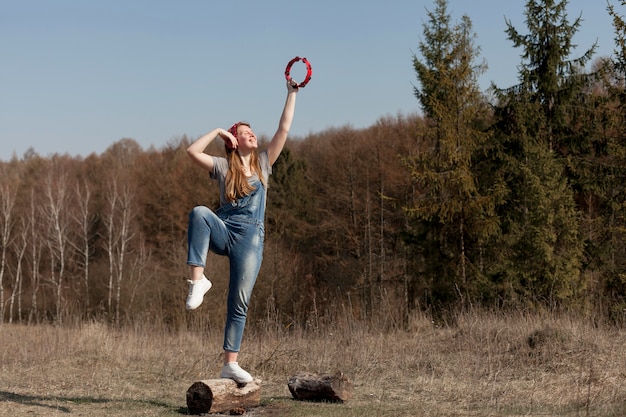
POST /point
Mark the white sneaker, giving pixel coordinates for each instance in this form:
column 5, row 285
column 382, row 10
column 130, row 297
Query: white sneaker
column 233, row 371
column 197, row 289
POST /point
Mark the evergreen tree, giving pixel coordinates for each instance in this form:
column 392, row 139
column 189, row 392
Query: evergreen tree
column 537, row 259
column 451, row 215
column 290, row 207
column 619, row 26
column 606, row 191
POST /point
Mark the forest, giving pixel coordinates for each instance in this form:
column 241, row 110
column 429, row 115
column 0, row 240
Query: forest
column 511, row 199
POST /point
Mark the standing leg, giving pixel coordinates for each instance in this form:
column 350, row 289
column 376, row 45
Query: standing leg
column 245, row 262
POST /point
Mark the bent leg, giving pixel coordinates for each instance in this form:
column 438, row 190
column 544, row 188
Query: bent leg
column 205, row 231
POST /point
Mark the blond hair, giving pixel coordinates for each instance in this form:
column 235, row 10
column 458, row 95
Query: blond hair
column 237, row 184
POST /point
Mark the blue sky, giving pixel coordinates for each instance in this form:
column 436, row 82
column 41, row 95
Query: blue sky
column 78, row 75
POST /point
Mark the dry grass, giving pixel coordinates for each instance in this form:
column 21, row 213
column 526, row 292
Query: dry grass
column 486, row 365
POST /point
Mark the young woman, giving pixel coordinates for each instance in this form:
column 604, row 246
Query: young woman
column 236, row 229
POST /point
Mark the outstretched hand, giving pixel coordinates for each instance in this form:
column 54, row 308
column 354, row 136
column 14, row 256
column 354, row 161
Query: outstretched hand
column 292, row 86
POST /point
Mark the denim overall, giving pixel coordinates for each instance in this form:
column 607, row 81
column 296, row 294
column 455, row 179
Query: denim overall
column 235, row 230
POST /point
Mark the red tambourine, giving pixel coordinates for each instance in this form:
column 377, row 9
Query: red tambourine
column 309, row 71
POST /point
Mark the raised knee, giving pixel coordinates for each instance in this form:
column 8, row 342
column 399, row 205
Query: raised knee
column 198, row 211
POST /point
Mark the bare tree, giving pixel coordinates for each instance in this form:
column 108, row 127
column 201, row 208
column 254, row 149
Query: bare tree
column 56, row 212
column 138, row 270
column 8, row 192
column 35, row 256
column 16, row 287
column 118, row 236
column 125, row 236
column 84, row 219
column 109, row 242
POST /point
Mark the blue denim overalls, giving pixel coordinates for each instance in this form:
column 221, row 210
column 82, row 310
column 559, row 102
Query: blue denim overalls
column 235, row 230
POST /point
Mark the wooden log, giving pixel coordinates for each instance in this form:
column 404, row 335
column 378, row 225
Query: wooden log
column 316, row 387
column 219, row 395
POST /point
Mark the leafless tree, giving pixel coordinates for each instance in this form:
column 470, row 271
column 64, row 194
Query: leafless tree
column 119, row 234
column 21, row 243
column 138, row 270
column 84, row 219
column 110, row 238
column 56, row 212
column 8, row 192
column 35, row 256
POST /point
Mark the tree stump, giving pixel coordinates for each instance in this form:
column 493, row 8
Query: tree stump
column 315, row 387
column 219, row 395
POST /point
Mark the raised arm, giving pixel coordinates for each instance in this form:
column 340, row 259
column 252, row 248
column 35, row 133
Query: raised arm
column 196, row 149
column 280, row 137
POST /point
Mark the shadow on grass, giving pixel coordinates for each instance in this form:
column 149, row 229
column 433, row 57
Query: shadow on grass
column 41, row 401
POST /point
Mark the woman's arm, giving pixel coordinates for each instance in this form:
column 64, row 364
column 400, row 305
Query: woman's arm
column 280, row 137
column 196, row 149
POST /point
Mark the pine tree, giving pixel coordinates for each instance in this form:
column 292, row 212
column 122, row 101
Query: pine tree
column 451, row 216
column 538, row 257
column 290, row 208
column 605, row 185
column 619, row 26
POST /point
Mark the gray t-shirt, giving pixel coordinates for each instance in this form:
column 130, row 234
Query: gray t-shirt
column 220, row 169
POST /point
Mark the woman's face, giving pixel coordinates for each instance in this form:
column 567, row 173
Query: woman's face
column 246, row 138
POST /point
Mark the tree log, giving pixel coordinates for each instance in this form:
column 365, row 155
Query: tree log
column 219, row 395
column 315, row 387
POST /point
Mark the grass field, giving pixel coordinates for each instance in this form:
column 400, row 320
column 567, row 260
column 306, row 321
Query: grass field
column 487, row 364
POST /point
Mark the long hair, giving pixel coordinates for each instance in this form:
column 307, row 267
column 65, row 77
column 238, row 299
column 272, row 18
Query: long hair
column 237, row 184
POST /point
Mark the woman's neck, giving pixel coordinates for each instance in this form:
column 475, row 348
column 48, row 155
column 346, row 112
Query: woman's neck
column 245, row 159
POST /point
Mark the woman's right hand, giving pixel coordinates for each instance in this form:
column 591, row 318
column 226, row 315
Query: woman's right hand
column 229, row 140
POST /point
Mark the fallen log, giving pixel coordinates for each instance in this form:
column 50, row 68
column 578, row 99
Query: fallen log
column 316, row 387
column 220, row 395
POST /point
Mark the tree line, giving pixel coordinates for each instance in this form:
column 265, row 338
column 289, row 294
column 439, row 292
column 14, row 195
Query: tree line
column 510, row 199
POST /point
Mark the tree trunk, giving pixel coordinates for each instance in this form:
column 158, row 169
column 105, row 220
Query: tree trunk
column 314, row 387
column 220, row 395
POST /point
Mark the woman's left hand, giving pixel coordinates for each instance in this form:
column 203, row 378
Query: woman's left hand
column 292, row 86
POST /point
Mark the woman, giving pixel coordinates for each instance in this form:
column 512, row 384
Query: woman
column 236, row 229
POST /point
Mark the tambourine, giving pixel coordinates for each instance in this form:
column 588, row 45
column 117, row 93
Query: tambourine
column 309, row 71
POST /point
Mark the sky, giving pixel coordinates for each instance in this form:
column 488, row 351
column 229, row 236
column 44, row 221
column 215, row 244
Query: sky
column 77, row 76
